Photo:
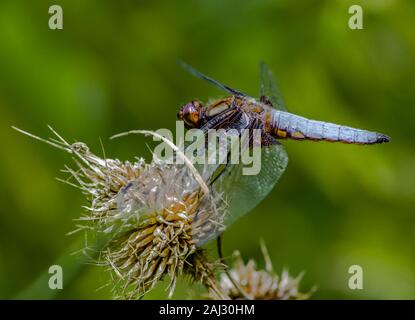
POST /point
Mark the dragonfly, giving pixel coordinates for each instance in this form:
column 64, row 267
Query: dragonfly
column 269, row 114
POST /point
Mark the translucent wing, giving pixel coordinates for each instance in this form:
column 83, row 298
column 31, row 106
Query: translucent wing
column 216, row 83
column 242, row 192
column 269, row 87
column 245, row 192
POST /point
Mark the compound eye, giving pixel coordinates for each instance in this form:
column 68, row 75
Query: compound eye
column 191, row 118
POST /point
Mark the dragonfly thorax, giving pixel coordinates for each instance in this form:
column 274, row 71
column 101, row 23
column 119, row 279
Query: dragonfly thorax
column 194, row 114
column 218, row 106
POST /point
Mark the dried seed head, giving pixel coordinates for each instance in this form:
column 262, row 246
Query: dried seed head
column 259, row 284
column 164, row 217
column 157, row 215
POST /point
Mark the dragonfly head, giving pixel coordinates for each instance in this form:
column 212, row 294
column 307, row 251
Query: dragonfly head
column 190, row 113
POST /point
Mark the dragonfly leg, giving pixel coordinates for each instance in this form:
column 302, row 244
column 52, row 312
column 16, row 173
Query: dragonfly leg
column 222, row 120
column 266, row 138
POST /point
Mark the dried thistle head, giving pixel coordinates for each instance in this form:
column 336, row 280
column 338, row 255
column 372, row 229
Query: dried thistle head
column 246, row 281
column 156, row 215
column 164, row 218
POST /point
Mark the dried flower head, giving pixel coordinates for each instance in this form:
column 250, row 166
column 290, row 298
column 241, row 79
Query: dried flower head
column 165, row 218
column 246, row 281
column 157, row 215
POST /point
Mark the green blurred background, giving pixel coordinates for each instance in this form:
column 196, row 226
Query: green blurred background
column 113, row 68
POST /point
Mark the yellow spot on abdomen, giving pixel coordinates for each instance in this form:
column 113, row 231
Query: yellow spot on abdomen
column 297, row 135
column 281, row 133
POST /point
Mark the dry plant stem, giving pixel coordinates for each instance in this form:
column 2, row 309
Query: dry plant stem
column 205, row 272
column 268, row 263
column 189, row 164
